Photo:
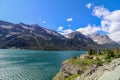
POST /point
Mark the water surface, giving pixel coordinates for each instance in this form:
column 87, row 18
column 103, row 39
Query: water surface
column 32, row 64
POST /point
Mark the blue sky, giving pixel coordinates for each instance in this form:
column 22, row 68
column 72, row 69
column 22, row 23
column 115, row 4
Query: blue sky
column 59, row 15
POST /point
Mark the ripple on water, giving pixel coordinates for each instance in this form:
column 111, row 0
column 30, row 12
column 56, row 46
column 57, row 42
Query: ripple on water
column 32, row 65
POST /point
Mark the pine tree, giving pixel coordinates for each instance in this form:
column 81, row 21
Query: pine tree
column 90, row 52
column 99, row 52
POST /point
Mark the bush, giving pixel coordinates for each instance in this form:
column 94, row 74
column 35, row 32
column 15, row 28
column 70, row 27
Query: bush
column 99, row 62
column 75, row 57
column 72, row 77
column 107, row 60
column 109, row 53
column 117, row 55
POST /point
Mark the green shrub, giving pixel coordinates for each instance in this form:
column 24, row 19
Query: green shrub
column 75, row 57
column 117, row 55
column 99, row 62
column 72, row 77
column 108, row 53
column 107, row 60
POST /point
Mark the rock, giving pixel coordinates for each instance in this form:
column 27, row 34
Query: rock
column 94, row 72
column 91, row 70
column 68, row 69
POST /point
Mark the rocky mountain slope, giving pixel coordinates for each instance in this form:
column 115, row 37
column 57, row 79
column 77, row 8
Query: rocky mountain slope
column 103, row 40
column 24, row 36
column 79, row 39
column 29, row 37
column 118, row 42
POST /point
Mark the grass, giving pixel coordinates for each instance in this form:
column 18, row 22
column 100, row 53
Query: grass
column 89, row 59
column 98, row 59
column 72, row 77
column 58, row 77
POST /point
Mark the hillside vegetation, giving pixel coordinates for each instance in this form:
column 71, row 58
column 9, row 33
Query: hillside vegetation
column 86, row 61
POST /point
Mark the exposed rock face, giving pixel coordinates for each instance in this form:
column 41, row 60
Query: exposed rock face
column 69, row 69
column 118, row 42
column 92, row 73
column 25, row 36
column 95, row 72
column 104, row 40
column 100, row 39
column 79, row 40
column 78, row 35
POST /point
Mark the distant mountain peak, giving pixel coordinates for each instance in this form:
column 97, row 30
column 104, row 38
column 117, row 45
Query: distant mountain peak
column 118, row 42
column 5, row 23
column 75, row 34
column 100, row 39
column 79, row 36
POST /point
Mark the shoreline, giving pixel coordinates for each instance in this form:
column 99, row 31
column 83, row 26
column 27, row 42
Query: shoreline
column 91, row 66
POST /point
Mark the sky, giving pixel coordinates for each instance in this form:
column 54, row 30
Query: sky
column 66, row 16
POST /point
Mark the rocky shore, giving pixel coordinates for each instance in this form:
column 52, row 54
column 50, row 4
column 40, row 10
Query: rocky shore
column 95, row 72
column 70, row 71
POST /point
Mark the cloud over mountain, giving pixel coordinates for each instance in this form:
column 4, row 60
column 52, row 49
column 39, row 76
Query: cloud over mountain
column 89, row 29
column 110, row 21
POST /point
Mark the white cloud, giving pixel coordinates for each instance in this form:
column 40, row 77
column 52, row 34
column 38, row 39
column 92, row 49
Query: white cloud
column 43, row 22
column 115, row 36
column 60, row 28
column 63, row 31
column 89, row 29
column 67, row 31
column 100, row 11
column 89, row 5
column 110, row 21
column 69, row 19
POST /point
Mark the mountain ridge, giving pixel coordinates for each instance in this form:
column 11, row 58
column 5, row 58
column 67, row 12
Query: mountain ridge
column 24, row 36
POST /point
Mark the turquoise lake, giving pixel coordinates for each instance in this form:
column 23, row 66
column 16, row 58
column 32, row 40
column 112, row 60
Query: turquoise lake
column 32, row 64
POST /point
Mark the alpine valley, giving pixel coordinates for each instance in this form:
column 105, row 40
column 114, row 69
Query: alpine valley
column 24, row 36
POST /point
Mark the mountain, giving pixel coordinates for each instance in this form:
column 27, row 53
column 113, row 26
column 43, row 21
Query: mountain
column 100, row 39
column 78, row 35
column 24, row 36
column 81, row 41
column 104, row 40
column 118, row 42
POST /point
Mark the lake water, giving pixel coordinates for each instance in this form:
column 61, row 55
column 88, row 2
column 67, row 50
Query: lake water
column 32, row 64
